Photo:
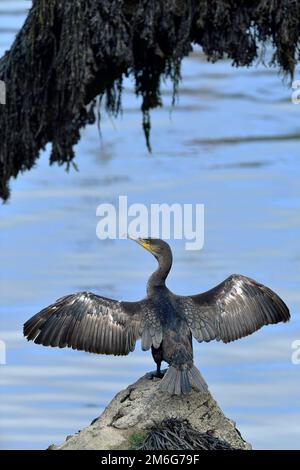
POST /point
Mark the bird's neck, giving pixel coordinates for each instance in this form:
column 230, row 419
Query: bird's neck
column 157, row 279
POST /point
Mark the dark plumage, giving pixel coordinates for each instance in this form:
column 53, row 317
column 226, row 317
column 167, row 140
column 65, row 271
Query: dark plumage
column 165, row 322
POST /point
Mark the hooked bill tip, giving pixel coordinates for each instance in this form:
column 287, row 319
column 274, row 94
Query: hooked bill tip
column 130, row 237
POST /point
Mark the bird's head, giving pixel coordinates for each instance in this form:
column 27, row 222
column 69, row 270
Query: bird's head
column 158, row 248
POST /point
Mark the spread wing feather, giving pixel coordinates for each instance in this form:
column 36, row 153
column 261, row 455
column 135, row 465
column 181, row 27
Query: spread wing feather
column 88, row 322
column 235, row 308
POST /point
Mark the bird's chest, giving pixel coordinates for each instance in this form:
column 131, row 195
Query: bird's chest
column 170, row 316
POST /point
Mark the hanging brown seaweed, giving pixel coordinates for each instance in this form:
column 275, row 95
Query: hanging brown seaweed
column 70, row 52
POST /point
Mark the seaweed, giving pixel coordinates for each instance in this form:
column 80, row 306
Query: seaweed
column 178, row 434
column 71, row 55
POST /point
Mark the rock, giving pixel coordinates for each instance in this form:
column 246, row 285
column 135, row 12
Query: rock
column 133, row 412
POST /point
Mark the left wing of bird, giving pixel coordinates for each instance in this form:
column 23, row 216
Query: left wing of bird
column 89, row 322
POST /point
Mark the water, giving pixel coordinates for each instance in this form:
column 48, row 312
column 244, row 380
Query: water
column 231, row 143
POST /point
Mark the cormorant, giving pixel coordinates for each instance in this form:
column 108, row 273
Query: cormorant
column 164, row 321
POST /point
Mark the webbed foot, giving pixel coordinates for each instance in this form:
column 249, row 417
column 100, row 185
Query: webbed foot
column 156, row 374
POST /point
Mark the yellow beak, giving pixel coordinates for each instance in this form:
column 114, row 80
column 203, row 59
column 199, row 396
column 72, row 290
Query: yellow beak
column 141, row 242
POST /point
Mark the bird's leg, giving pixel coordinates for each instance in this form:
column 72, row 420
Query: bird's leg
column 158, row 357
column 159, row 373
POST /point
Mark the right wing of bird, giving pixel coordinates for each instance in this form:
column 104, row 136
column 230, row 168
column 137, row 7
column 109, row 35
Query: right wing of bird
column 89, row 322
column 233, row 309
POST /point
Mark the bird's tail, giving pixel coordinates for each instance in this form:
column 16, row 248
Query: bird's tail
column 180, row 379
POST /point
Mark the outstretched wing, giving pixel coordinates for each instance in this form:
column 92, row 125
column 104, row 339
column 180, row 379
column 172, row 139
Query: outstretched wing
column 88, row 322
column 235, row 308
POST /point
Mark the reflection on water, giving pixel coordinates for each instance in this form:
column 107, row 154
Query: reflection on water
column 251, row 196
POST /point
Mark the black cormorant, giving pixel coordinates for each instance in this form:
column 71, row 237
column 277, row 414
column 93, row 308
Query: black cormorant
column 164, row 321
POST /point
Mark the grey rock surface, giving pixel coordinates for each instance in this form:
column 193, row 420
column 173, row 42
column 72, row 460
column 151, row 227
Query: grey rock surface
column 133, row 411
